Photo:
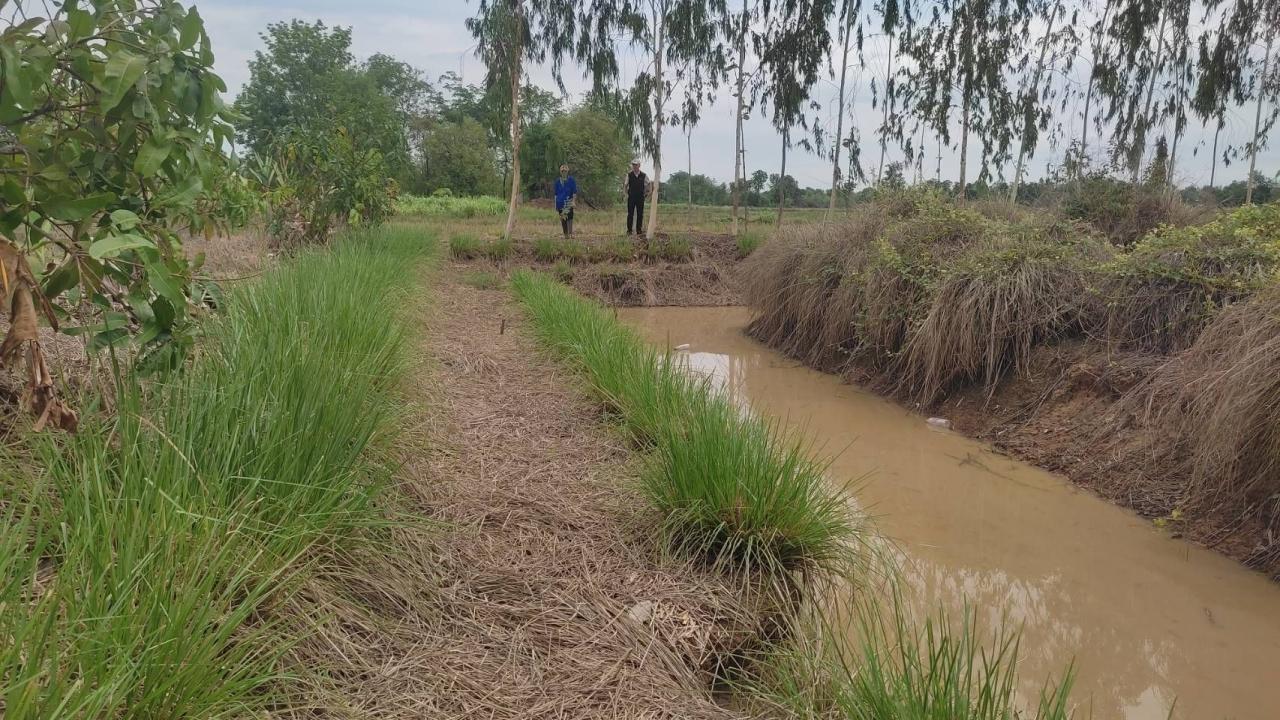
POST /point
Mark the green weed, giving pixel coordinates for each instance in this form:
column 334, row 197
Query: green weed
column 678, row 249
column 464, row 246
column 563, row 271
column 498, row 250
column 621, row 251
column 748, row 242
column 448, row 206
column 166, row 537
column 573, row 250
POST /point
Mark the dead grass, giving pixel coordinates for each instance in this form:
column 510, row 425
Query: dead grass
column 1219, row 403
column 541, row 595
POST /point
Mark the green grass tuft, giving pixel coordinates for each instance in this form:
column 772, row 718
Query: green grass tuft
column 545, row 249
column 499, row 250
column 748, row 241
column 731, row 487
column 464, row 246
column 166, row 536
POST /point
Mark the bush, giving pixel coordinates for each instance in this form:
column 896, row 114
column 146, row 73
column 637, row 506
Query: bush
column 731, row 488
column 464, row 246
column 1162, row 292
column 448, row 206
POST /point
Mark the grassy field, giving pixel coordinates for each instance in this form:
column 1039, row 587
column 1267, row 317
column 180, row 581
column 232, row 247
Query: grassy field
column 141, row 570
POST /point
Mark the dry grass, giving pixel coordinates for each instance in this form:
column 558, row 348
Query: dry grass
column 541, row 596
column 1219, row 403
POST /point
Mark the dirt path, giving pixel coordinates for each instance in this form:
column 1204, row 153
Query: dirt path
column 552, row 602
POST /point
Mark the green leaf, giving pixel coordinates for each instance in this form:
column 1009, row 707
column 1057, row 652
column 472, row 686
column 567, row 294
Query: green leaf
column 191, row 27
column 73, row 209
column 113, row 245
column 11, row 190
column 123, row 70
column 165, row 283
column 182, row 193
column 62, row 279
column 108, row 338
column 80, row 22
column 15, row 84
column 153, row 153
column 125, row 219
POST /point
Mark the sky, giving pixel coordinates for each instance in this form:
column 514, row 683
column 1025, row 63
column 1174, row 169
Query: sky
column 431, row 36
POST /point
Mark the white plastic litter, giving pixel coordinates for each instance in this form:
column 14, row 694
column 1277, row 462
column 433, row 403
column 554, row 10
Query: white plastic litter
column 684, row 346
column 943, row 423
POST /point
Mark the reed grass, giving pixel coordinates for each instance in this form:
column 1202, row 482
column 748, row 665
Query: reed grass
column 139, row 571
column 465, row 246
column 730, row 487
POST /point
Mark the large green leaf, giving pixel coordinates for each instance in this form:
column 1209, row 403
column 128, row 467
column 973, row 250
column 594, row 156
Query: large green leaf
column 191, row 27
column 165, row 283
column 113, row 245
column 74, row 209
column 15, row 82
column 151, row 155
column 122, row 71
column 182, row 193
column 62, row 279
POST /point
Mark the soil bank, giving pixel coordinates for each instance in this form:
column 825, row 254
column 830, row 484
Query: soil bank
column 1147, row 618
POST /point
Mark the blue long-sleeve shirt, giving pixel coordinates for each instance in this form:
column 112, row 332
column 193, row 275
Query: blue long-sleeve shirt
column 565, row 189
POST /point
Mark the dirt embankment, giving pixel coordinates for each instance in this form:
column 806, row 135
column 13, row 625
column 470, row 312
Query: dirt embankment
column 631, row 272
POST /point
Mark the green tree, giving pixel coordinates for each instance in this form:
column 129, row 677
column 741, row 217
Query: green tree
column 111, row 116
column 596, row 148
column 457, row 156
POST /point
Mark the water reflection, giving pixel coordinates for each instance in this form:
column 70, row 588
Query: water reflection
column 1146, row 618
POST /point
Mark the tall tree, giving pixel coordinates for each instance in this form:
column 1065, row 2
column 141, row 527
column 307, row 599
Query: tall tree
column 735, row 26
column 1097, row 70
column 1032, row 111
column 850, row 12
column 510, row 34
column 795, row 41
column 1267, row 87
column 967, row 48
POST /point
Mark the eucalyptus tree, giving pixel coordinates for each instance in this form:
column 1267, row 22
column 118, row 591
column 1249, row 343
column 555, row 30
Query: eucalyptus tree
column 850, row 12
column 679, row 38
column 1035, row 97
column 735, row 27
column 511, row 34
column 792, row 48
column 1097, row 70
column 896, row 16
column 1267, row 85
column 966, row 48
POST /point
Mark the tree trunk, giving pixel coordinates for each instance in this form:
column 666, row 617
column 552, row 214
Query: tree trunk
column 1035, row 88
column 1173, row 157
column 964, row 137
column 884, row 123
column 1088, row 93
column 782, row 175
column 516, row 73
column 1213, row 165
column 835, row 160
column 660, row 24
column 688, row 144
column 1257, row 119
column 1140, row 138
column 739, row 166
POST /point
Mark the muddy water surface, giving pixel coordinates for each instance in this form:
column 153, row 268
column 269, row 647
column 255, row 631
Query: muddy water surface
column 1148, row 619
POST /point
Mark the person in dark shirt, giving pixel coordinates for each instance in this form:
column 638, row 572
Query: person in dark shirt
column 566, row 191
column 637, row 187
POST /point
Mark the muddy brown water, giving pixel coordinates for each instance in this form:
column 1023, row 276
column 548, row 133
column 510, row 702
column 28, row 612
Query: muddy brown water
column 1147, row 619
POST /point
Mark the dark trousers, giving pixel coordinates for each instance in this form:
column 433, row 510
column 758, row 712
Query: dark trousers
column 566, row 223
column 635, row 209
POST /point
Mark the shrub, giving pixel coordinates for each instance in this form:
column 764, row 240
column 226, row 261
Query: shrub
column 464, row 246
column 1161, row 292
column 731, row 488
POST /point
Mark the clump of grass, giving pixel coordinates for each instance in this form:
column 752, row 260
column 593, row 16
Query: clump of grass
column 482, row 280
column 748, row 242
column 1163, row 291
column 573, row 251
column 465, row 246
column 731, row 488
column 678, row 249
column 562, row 271
column 898, row 667
column 499, row 249
column 621, row 251
column 545, row 250
column 167, row 536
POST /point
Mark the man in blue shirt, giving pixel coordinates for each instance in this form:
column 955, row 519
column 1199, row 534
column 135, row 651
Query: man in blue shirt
column 566, row 191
